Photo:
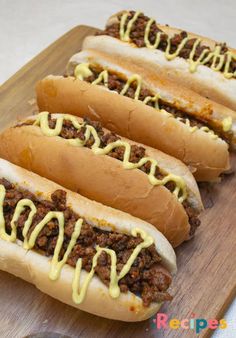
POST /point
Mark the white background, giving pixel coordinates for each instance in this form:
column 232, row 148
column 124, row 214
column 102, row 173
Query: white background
column 28, row 26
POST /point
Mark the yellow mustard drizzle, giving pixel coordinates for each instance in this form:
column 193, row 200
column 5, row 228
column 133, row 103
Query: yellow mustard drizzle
column 56, row 265
column 187, row 122
column 103, row 77
column 193, row 129
column 227, row 123
column 136, row 78
column 206, row 55
column 133, row 78
column 82, row 71
column 125, row 33
column 146, row 36
column 42, row 121
column 171, row 56
column 210, row 132
column 154, row 99
column 114, row 289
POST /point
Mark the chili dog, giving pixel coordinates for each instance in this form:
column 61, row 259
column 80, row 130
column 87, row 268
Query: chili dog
column 199, row 63
column 109, row 169
column 80, row 252
column 182, row 124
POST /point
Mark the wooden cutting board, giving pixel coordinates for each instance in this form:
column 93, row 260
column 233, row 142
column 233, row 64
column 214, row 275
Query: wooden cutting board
column 206, row 279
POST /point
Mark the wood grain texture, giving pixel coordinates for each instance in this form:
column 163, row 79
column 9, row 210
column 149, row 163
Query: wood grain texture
column 206, row 280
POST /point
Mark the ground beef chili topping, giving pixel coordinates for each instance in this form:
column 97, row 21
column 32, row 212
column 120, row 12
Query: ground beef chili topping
column 146, row 278
column 137, row 37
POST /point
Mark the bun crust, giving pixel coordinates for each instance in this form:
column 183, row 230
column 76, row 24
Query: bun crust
column 137, row 121
column 102, row 178
column 34, row 267
column 204, row 81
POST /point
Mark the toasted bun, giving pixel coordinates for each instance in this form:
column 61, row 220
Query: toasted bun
column 180, row 97
column 204, row 81
column 34, row 267
column 102, row 178
column 206, row 157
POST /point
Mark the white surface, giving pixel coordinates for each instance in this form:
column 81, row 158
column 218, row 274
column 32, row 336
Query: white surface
column 28, row 26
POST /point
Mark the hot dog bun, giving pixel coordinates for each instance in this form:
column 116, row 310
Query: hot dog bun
column 210, row 113
column 34, row 267
column 103, row 178
column 206, row 157
column 205, row 81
